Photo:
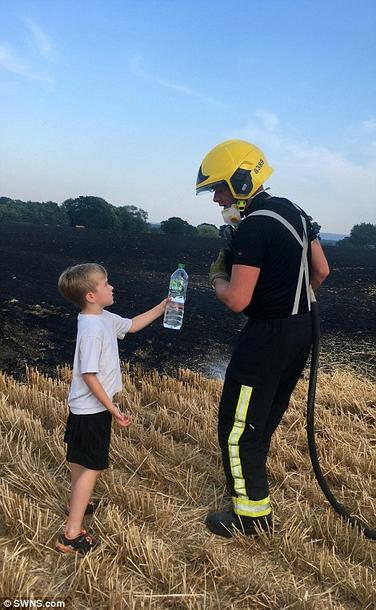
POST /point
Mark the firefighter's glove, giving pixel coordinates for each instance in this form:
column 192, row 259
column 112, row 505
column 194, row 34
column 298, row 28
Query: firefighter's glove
column 218, row 269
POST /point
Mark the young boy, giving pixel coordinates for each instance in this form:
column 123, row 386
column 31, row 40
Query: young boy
column 96, row 378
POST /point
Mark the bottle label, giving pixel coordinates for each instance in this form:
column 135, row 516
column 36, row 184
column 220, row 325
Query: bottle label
column 176, row 287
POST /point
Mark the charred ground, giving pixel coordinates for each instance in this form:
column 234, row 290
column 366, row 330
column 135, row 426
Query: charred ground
column 38, row 326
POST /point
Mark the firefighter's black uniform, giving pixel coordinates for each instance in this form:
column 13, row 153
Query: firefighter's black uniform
column 272, row 349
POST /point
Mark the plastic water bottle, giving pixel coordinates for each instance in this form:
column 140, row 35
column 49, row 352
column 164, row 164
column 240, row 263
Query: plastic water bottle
column 174, row 313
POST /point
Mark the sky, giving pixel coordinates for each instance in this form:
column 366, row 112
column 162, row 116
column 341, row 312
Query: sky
column 123, row 99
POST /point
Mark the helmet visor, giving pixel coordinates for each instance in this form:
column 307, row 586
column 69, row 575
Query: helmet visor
column 209, row 187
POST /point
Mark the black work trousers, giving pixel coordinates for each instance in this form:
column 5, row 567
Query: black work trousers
column 264, row 369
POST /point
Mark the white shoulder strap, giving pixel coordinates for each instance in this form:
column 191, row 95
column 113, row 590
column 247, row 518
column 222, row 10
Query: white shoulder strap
column 303, row 242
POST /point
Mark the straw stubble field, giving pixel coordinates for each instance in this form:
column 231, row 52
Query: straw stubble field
column 155, row 552
column 166, row 473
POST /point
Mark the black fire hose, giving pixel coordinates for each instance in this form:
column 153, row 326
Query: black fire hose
column 339, row 508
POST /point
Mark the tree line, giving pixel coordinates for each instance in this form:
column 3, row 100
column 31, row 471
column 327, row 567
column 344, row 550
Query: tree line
column 363, row 234
column 96, row 213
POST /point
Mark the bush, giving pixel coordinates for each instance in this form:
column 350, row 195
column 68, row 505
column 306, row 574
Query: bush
column 177, row 226
column 207, row 230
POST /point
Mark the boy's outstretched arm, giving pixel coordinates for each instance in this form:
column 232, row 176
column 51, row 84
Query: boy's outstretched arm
column 99, row 392
column 146, row 318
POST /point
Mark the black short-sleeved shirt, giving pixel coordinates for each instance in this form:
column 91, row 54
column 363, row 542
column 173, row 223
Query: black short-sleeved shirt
column 264, row 242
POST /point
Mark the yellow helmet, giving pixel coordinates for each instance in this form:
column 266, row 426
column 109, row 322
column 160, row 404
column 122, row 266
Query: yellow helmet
column 241, row 165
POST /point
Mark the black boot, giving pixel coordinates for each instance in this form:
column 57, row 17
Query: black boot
column 226, row 523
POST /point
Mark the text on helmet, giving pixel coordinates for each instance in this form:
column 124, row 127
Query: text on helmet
column 258, row 166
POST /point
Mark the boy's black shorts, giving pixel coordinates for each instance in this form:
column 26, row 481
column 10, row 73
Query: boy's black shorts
column 88, row 439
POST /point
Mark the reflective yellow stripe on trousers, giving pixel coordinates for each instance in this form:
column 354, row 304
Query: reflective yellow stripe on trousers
column 242, row 504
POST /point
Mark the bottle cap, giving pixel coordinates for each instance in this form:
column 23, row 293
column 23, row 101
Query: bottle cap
column 181, row 266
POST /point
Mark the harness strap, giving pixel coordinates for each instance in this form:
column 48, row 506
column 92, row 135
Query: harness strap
column 303, row 242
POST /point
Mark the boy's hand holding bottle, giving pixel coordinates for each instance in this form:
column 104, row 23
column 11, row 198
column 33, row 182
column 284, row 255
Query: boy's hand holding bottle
column 163, row 304
column 146, row 318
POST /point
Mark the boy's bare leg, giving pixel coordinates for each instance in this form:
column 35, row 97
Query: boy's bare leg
column 83, row 481
column 76, row 470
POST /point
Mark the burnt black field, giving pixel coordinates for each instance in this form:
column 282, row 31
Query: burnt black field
column 38, row 326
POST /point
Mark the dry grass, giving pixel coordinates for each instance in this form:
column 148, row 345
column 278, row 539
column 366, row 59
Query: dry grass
column 166, row 473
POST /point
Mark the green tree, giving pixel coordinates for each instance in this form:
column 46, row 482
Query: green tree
column 132, row 219
column 207, row 230
column 54, row 214
column 363, row 234
column 10, row 211
column 14, row 210
column 177, row 226
column 92, row 212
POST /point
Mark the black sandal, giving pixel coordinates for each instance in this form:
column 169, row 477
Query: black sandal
column 82, row 544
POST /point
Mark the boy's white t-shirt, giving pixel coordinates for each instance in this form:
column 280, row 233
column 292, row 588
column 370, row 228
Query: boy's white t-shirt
column 96, row 352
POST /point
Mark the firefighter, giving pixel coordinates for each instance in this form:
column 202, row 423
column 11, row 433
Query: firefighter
column 272, row 258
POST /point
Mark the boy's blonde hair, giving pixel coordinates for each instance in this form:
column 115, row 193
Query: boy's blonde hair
column 75, row 282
